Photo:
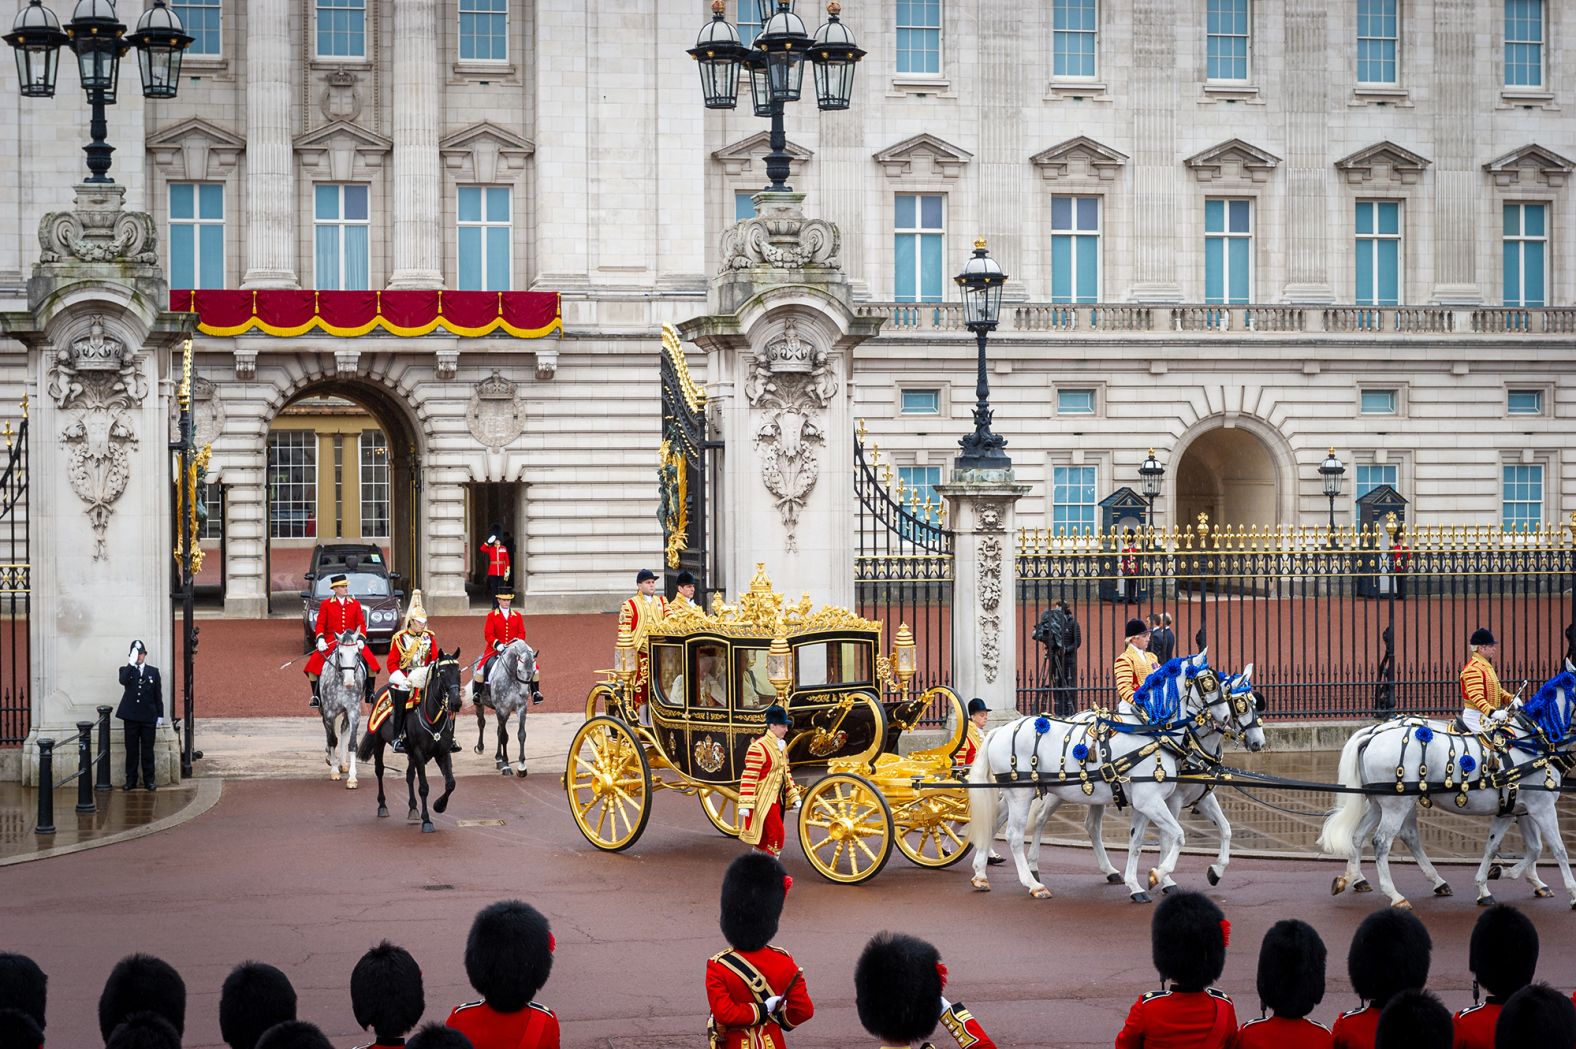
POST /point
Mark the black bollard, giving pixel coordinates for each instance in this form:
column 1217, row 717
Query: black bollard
column 85, row 801
column 46, row 787
column 102, row 761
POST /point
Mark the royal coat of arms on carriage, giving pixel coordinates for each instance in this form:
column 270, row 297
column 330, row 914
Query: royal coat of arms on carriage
column 708, row 754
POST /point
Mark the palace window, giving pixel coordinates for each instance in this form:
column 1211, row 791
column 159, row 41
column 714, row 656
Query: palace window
column 1378, row 253
column 1378, row 40
column 748, row 22
column 1075, row 401
column 1523, row 495
column 1525, row 251
column 341, row 28
column 374, row 485
column 484, row 30
column 213, row 500
column 196, row 235
column 1371, row 475
column 1074, row 34
column 743, row 204
column 1227, row 25
column 484, row 233
column 1524, row 402
column 1075, row 249
column 918, row 233
column 342, row 253
column 202, row 20
column 1523, row 43
column 919, row 488
column 1072, row 499
column 921, row 402
column 1379, row 402
column 292, row 484
column 1228, row 251
column 919, row 36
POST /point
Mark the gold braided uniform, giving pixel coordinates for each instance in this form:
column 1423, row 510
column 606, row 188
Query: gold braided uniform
column 766, row 784
column 1480, row 688
column 638, row 614
column 1132, row 666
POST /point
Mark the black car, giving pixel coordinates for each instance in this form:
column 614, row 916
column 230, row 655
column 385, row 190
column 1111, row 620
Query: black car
column 370, row 581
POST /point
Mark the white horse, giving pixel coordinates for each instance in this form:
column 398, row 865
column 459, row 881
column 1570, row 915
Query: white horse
column 340, row 692
column 511, row 683
column 1139, row 749
column 1416, row 757
column 1237, row 689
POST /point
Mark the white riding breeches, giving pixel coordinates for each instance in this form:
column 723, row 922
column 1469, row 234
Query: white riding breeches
column 1472, row 717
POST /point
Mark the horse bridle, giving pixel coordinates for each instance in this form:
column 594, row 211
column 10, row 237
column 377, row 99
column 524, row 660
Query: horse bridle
column 1239, row 702
column 434, row 727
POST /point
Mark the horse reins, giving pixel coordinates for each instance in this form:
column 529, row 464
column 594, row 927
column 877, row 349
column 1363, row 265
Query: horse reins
column 434, row 727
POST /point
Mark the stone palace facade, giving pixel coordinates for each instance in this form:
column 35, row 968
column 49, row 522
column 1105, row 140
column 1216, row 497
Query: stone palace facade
column 1238, row 232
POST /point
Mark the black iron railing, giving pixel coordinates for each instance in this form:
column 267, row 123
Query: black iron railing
column 87, row 783
column 16, row 585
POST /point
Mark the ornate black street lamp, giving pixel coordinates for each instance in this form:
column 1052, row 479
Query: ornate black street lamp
column 775, row 65
column 981, row 283
column 1151, row 477
column 98, row 38
column 1332, row 471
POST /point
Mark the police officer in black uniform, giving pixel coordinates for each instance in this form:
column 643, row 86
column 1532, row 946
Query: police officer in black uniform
column 141, row 711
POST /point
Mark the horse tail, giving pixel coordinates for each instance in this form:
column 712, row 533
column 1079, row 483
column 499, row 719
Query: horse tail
column 1340, row 827
column 982, row 803
column 369, row 741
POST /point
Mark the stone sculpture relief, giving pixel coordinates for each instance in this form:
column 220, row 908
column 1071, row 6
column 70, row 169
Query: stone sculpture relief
column 990, row 585
column 790, row 384
column 495, row 415
column 781, row 237
column 98, row 229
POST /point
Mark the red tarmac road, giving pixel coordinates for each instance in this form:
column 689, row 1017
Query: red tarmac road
column 303, row 875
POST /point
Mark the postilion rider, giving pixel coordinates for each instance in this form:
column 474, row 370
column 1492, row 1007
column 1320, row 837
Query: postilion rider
column 413, row 647
column 767, row 790
column 504, row 626
column 335, row 615
column 643, row 608
column 973, row 740
column 1135, row 662
column 1482, row 698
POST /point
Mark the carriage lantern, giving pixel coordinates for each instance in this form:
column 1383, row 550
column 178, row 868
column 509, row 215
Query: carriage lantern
column 626, row 662
column 778, row 669
column 904, row 658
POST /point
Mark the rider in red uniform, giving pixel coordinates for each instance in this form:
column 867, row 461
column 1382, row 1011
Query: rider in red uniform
column 336, row 615
column 1389, row 954
column 503, row 627
column 508, row 957
column 1291, row 984
column 756, row 990
column 1188, row 945
column 898, row 988
column 1503, row 957
column 497, row 558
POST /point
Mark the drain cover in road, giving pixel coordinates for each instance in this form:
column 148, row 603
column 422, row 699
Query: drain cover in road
column 479, row 823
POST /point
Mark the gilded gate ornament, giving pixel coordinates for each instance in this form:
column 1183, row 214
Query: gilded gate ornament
column 673, row 500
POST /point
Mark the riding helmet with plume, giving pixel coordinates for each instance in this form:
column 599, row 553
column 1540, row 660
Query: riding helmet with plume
column 1414, row 1019
column 1291, row 969
column 897, row 988
column 255, row 996
column 1390, row 953
column 141, row 982
column 753, row 892
column 1537, row 1017
column 1503, row 953
column 509, row 954
column 1188, row 940
column 386, row 992
column 416, row 611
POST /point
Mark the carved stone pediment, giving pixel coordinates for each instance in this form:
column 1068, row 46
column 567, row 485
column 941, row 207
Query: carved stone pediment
column 341, row 151
column 780, row 236
column 924, row 154
column 485, row 152
column 742, row 155
column 1080, row 157
column 1382, row 162
column 1529, row 165
column 1232, row 159
column 195, row 149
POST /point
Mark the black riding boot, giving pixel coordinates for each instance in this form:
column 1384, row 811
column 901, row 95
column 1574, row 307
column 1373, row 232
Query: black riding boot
column 369, row 689
column 398, row 696
column 316, row 702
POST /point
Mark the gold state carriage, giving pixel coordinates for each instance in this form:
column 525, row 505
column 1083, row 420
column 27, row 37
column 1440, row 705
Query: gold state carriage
column 710, row 676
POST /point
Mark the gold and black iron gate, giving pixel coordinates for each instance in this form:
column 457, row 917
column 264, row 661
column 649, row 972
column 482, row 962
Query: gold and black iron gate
column 683, row 472
column 903, row 563
column 15, row 587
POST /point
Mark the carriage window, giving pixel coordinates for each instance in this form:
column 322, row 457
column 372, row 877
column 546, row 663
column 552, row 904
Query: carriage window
column 710, row 670
column 832, row 663
column 668, row 671
column 754, row 687
column 810, row 665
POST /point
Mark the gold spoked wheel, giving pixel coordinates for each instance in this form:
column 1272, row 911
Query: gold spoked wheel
column 609, row 784
column 932, row 830
column 722, row 809
column 601, row 700
column 845, row 829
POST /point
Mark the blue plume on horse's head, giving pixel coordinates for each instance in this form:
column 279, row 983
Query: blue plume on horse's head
column 1550, row 707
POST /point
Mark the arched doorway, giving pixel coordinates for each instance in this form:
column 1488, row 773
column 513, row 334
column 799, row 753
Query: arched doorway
column 1229, row 474
column 342, row 466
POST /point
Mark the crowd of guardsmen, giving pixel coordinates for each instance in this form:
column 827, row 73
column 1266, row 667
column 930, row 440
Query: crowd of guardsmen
column 758, row 995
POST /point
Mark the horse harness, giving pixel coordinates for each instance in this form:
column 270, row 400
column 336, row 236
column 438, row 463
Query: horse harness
column 434, row 726
column 1495, row 767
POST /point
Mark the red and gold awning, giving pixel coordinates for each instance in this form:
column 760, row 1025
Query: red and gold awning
column 288, row 312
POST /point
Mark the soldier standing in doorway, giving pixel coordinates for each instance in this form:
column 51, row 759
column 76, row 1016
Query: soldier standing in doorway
column 497, row 557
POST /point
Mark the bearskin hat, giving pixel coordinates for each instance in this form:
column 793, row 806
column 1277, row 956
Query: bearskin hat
column 294, row 1034
column 141, row 982
column 255, row 996
column 23, row 986
column 1291, row 969
column 509, row 954
column 1188, row 941
column 18, row 1030
column 1504, row 950
column 1389, row 953
column 144, row 1030
column 1537, row 1017
column 753, row 892
column 386, row 992
column 897, row 987
column 1415, row 1019
column 437, row 1036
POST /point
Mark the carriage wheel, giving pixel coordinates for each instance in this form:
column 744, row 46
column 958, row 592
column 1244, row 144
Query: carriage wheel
column 600, row 700
column 933, row 829
column 845, row 829
column 722, row 810
column 609, row 784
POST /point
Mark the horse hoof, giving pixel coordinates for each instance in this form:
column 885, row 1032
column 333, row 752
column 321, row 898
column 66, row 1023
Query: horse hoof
column 351, row 784
column 440, row 805
column 412, row 816
column 1361, row 885
column 1494, row 872
column 1402, row 904
column 1167, row 890
column 1443, row 889
column 521, row 773
column 1542, row 892
column 503, row 770
column 1154, row 877
column 980, row 884
column 1113, row 879
column 1338, row 885
column 333, row 774
column 1142, row 897
column 383, row 812
column 1213, row 875
column 428, row 828
column 476, row 749
column 1486, row 901
column 1041, row 893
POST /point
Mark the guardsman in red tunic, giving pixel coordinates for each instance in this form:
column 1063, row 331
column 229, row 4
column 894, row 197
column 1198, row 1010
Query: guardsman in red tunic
column 767, row 790
column 756, row 991
column 1389, row 954
column 1135, row 662
column 386, row 995
column 899, row 985
column 1503, row 956
column 508, row 957
column 1188, row 944
column 1482, row 699
column 638, row 613
column 504, row 626
column 496, row 556
column 973, row 740
column 1291, row 984
column 1537, row 1016
column 336, row 615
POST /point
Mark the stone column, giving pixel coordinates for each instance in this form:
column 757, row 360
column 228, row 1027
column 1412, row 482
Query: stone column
column 270, row 159
column 417, row 238
column 1308, row 174
column 983, row 513
column 1155, row 159
column 1457, row 180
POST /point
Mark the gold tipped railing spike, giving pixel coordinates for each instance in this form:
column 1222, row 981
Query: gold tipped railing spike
column 860, row 433
column 24, row 415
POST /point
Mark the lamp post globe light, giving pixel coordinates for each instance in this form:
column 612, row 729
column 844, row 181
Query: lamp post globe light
column 1151, row 477
column 1332, row 471
column 981, row 284
column 98, row 38
column 775, row 65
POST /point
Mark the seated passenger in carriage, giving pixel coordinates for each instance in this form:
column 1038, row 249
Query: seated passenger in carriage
column 900, row 991
column 504, row 626
column 413, row 649
column 711, row 688
column 756, row 690
column 1482, row 698
column 1134, row 663
column 1290, row 984
column 1188, row 940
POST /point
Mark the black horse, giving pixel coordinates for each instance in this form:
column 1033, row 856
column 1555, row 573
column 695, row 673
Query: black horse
column 429, row 730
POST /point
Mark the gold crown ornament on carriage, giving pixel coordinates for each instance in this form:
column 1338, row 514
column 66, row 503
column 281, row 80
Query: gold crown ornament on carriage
column 686, row 698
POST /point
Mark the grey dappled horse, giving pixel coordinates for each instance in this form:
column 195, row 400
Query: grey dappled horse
column 511, row 680
column 1407, row 750
column 340, row 692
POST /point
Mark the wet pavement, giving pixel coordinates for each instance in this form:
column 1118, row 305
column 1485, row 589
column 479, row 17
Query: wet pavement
column 117, row 815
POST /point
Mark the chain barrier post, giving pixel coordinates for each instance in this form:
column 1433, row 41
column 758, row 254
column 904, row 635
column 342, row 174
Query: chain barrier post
column 101, row 780
column 85, row 802
column 46, row 786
